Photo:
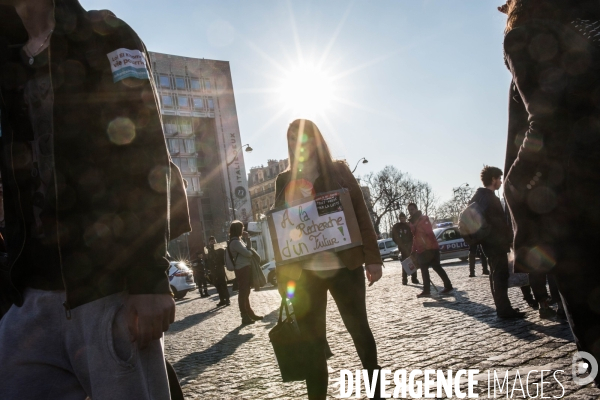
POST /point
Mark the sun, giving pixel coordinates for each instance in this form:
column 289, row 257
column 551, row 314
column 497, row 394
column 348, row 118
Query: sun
column 306, row 91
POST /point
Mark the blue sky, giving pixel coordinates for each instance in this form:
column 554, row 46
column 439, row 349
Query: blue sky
column 419, row 84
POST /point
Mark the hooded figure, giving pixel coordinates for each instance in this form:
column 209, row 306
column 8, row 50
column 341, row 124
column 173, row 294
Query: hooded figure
column 91, row 200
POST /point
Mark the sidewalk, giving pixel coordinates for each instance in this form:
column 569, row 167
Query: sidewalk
column 217, row 358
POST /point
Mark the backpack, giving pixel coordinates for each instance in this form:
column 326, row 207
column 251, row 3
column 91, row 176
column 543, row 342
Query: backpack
column 229, row 260
column 472, row 224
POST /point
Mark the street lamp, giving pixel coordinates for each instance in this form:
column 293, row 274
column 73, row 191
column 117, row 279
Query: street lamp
column 248, row 150
column 458, row 188
column 364, row 161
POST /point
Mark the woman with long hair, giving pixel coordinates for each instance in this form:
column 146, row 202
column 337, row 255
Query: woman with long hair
column 553, row 153
column 241, row 255
column 312, row 171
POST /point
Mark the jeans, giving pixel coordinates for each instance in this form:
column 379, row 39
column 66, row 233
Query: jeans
column 475, row 251
column 200, row 277
column 498, row 260
column 310, row 303
column 243, row 277
column 46, row 356
column 431, row 258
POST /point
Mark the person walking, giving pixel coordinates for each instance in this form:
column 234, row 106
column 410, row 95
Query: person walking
column 88, row 185
column 312, row 171
column 241, row 256
column 403, row 237
column 215, row 262
column 426, row 250
column 199, row 268
column 553, row 153
column 474, row 252
column 496, row 244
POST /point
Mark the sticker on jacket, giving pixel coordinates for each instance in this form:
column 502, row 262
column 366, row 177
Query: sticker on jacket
column 126, row 63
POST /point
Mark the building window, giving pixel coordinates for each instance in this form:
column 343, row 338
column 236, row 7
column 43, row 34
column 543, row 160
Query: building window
column 170, row 128
column 176, row 146
column 185, row 127
column 195, row 183
column 167, row 101
column 190, row 146
column 164, row 81
column 180, row 83
column 183, row 101
column 198, row 103
column 195, row 83
column 207, row 85
column 192, row 164
column 211, row 104
column 177, row 161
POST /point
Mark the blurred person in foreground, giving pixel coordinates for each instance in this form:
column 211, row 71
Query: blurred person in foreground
column 426, row 251
column 87, row 184
column 312, row 171
column 553, row 53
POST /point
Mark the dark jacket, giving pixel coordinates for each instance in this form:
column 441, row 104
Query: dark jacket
column 215, row 259
column 553, row 140
column 402, row 236
column 493, row 212
column 352, row 258
column 112, row 168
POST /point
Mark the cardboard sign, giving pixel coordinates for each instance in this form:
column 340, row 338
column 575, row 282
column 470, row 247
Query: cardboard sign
column 409, row 266
column 324, row 223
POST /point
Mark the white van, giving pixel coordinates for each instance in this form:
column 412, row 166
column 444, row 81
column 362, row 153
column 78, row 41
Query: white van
column 388, row 249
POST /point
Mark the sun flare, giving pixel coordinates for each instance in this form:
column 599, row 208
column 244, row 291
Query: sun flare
column 306, row 91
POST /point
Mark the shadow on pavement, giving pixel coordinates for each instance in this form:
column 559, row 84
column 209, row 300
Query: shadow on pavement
column 191, row 320
column 192, row 365
column 524, row 329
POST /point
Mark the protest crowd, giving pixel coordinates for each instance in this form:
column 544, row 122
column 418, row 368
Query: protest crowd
column 61, row 292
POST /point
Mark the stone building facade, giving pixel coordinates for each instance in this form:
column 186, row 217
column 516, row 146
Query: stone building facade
column 261, row 182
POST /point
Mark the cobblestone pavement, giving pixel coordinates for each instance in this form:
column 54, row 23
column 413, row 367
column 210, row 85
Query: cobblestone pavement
column 215, row 357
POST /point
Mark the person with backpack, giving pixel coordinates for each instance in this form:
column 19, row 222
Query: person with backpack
column 403, row 237
column 426, row 249
column 494, row 237
column 239, row 257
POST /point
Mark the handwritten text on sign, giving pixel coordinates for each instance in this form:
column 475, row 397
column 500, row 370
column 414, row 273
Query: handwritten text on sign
column 311, row 227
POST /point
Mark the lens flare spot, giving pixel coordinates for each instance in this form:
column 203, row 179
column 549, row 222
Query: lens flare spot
column 121, row 131
column 291, row 289
column 158, row 179
column 540, row 259
column 296, row 234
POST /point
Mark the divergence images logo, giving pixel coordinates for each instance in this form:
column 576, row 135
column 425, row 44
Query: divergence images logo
column 584, row 363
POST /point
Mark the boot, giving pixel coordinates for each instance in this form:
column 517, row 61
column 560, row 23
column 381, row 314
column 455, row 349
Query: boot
column 484, row 264
column 414, row 279
column 471, row 265
column 246, row 320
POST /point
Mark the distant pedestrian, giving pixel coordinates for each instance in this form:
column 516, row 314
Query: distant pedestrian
column 476, row 252
column 426, row 250
column 199, row 268
column 239, row 252
column 496, row 244
column 403, row 237
column 215, row 263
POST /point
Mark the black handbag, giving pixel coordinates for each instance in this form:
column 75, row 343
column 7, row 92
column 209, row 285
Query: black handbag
column 287, row 344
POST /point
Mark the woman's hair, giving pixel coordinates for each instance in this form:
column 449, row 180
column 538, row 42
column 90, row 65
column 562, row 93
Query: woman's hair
column 235, row 229
column 521, row 12
column 324, row 160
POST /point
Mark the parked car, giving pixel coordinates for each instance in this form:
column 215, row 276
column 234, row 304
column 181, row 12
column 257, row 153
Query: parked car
column 269, row 271
column 451, row 243
column 181, row 279
column 388, row 249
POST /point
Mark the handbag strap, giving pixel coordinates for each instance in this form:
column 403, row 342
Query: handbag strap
column 287, row 311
